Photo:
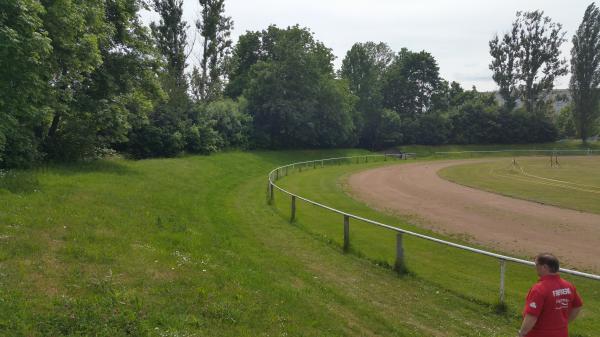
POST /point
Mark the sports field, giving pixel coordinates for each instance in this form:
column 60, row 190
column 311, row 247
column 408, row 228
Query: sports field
column 572, row 183
column 500, row 222
column 465, row 274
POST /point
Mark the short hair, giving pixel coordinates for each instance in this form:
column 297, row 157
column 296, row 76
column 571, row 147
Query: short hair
column 549, row 260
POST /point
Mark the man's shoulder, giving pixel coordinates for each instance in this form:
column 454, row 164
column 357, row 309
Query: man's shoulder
column 566, row 283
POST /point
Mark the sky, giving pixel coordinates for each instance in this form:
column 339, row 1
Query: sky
column 455, row 32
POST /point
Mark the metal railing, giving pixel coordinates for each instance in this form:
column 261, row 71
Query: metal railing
column 399, row 264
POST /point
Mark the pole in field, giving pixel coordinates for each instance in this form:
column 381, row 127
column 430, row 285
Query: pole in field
column 399, row 266
column 502, row 278
column 346, row 233
column 293, row 211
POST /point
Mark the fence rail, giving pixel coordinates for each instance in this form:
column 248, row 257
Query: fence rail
column 282, row 171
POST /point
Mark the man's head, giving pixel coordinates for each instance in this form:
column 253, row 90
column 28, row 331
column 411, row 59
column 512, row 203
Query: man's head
column 546, row 263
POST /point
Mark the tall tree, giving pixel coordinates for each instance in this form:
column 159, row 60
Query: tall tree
column 215, row 30
column 585, row 70
column 410, row 83
column 24, row 52
column 363, row 68
column 504, row 66
column 171, row 39
column 292, row 94
column 77, row 29
column 527, row 60
column 246, row 53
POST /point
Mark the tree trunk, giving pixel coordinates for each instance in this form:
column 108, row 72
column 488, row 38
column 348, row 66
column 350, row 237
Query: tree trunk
column 54, row 125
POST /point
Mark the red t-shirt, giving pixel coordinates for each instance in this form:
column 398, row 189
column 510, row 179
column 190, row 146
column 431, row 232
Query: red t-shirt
column 551, row 301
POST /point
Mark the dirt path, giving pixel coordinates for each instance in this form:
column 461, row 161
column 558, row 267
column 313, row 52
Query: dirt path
column 507, row 224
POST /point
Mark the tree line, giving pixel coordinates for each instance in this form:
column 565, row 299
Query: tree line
column 82, row 79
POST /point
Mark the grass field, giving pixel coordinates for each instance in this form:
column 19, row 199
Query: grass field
column 189, row 247
column 472, row 277
column 574, row 183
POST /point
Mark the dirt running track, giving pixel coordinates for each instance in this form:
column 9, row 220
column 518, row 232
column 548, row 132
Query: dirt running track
column 503, row 223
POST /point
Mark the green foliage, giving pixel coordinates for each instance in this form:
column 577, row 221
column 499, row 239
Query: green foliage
column 410, row 83
column 564, row 123
column 391, row 131
column 215, row 30
column 77, row 30
column 171, row 39
column 291, row 93
column 526, row 60
column 24, row 52
column 585, row 69
column 230, row 120
column 363, row 68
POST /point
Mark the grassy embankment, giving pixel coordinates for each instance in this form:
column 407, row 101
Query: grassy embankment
column 188, row 247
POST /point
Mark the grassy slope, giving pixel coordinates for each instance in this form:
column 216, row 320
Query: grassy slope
column 188, row 247
column 501, row 177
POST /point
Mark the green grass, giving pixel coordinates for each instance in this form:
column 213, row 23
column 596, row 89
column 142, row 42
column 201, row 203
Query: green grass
column 468, row 276
column 430, row 151
column 189, row 247
column 574, row 184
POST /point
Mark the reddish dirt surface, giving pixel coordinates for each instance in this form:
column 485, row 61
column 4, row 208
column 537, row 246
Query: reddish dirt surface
column 510, row 225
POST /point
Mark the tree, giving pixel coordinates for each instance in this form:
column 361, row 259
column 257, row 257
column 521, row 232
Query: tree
column 585, row 69
column 526, row 61
column 292, row 94
column 171, row 39
column 363, row 68
column 77, row 29
column 504, row 67
column 246, row 53
column 410, row 83
column 24, row 51
column 215, row 29
column 124, row 90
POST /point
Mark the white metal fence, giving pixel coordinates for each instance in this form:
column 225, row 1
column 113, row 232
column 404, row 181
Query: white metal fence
column 399, row 265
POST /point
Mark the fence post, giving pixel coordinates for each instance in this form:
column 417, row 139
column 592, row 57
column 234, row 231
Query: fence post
column 314, row 164
column 346, row 233
column 293, row 215
column 502, row 273
column 271, row 193
column 286, row 171
column 385, row 157
column 276, row 174
column 399, row 267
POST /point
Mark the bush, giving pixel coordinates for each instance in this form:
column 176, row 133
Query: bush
column 18, row 146
column 229, row 120
column 153, row 141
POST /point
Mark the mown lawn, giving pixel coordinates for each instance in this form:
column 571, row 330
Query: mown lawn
column 574, row 183
column 189, row 247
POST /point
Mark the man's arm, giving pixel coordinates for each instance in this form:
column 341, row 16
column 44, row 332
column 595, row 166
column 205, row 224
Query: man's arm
column 528, row 323
column 573, row 314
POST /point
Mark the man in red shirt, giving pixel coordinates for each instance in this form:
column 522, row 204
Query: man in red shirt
column 551, row 304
